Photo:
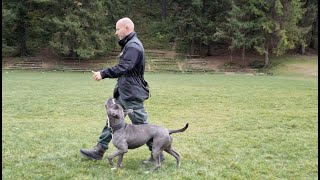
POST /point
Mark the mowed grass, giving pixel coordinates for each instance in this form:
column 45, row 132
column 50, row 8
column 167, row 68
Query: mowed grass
column 295, row 65
column 240, row 126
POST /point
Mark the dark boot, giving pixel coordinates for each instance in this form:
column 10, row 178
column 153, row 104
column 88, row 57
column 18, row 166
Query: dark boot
column 150, row 160
column 95, row 154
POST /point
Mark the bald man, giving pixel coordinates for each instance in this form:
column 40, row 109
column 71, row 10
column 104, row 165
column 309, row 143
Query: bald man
column 131, row 89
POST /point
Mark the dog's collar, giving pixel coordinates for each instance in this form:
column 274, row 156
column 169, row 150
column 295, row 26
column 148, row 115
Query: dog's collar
column 118, row 126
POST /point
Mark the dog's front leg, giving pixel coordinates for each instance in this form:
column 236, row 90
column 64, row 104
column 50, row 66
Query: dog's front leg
column 120, row 158
column 118, row 152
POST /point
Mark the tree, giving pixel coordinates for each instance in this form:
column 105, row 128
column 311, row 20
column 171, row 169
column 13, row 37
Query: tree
column 196, row 22
column 22, row 26
column 309, row 24
column 279, row 26
column 8, row 18
column 83, row 29
column 163, row 10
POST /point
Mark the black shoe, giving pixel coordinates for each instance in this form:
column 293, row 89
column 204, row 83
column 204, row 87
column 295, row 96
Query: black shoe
column 151, row 160
column 95, row 154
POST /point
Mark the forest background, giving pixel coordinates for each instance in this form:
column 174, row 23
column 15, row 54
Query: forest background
column 82, row 29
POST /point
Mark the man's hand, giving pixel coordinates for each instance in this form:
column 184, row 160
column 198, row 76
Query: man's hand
column 96, row 75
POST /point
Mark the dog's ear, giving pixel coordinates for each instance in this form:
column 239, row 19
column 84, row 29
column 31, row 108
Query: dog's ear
column 128, row 111
column 108, row 102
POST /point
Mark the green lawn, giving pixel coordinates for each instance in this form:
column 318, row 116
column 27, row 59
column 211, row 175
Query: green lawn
column 240, row 126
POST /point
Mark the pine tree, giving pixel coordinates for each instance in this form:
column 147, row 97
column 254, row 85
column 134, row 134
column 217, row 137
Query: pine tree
column 83, row 29
column 22, row 26
column 308, row 23
column 279, row 26
column 239, row 30
column 196, row 23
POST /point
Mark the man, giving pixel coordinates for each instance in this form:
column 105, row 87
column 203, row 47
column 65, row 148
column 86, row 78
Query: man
column 131, row 89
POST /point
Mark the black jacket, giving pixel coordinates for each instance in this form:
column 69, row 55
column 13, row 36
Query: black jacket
column 130, row 70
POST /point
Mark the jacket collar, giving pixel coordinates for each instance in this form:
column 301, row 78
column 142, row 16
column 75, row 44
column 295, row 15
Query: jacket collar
column 124, row 41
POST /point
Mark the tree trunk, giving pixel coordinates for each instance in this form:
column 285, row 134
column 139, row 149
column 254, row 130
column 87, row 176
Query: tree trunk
column 21, row 31
column 72, row 52
column 315, row 34
column 303, row 48
column 231, row 52
column 22, row 44
column 174, row 45
column 192, row 46
column 209, row 50
column 266, row 58
column 164, row 10
column 243, row 54
column 149, row 6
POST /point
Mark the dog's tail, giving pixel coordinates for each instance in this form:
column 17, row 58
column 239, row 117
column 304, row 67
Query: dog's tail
column 179, row 130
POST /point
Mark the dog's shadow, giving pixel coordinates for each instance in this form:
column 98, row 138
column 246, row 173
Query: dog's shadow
column 130, row 163
column 136, row 164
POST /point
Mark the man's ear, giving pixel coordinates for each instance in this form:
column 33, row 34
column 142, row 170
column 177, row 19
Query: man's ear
column 128, row 111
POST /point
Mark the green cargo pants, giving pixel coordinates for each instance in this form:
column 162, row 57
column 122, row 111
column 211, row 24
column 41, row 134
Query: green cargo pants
column 139, row 116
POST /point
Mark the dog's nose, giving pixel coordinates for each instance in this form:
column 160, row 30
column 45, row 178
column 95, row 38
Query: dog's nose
column 114, row 114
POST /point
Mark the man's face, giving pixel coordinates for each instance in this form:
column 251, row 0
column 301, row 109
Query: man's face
column 121, row 30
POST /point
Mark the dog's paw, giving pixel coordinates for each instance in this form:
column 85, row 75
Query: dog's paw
column 110, row 162
column 147, row 172
column 114, row 169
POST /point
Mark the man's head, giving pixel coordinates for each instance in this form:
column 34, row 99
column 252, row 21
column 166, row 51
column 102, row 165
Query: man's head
column 124, row 27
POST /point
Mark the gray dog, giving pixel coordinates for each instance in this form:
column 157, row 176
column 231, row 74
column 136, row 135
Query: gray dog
column 129, row 136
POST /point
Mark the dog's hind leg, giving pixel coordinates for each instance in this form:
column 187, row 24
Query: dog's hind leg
column 157, row 162
column 156, row 157
column 175, row 154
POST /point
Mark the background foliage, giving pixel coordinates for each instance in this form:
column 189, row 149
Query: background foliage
column 84, row 29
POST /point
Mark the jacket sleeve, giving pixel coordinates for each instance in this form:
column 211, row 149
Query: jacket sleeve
column 126, row 63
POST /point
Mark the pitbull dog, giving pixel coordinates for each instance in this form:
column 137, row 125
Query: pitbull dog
column 129, row 136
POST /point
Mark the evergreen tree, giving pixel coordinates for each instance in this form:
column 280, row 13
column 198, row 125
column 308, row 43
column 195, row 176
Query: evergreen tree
column 83, row 29
column 8, row 43
column 279, row 26
column 309, row 24
column 196, row 23
column 22, row 26
column 239, row 30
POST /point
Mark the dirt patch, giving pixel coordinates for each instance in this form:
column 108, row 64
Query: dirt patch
column 234, row 61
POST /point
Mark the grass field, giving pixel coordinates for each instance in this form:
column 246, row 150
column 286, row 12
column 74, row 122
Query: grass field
column 240, row 126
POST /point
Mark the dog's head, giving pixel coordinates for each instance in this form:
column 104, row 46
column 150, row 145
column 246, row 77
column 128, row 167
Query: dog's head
column 115, row 112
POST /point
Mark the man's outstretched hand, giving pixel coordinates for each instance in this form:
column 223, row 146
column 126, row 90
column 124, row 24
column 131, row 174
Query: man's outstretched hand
column 96, row 75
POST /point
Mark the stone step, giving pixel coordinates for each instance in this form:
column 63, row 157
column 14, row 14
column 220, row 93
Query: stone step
column 154, row 52
column 164, row 63
column 30, row 62
column 75, row 69
column 27, row 64
column 197, row 62
column 193, row 56
column 25, row 67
